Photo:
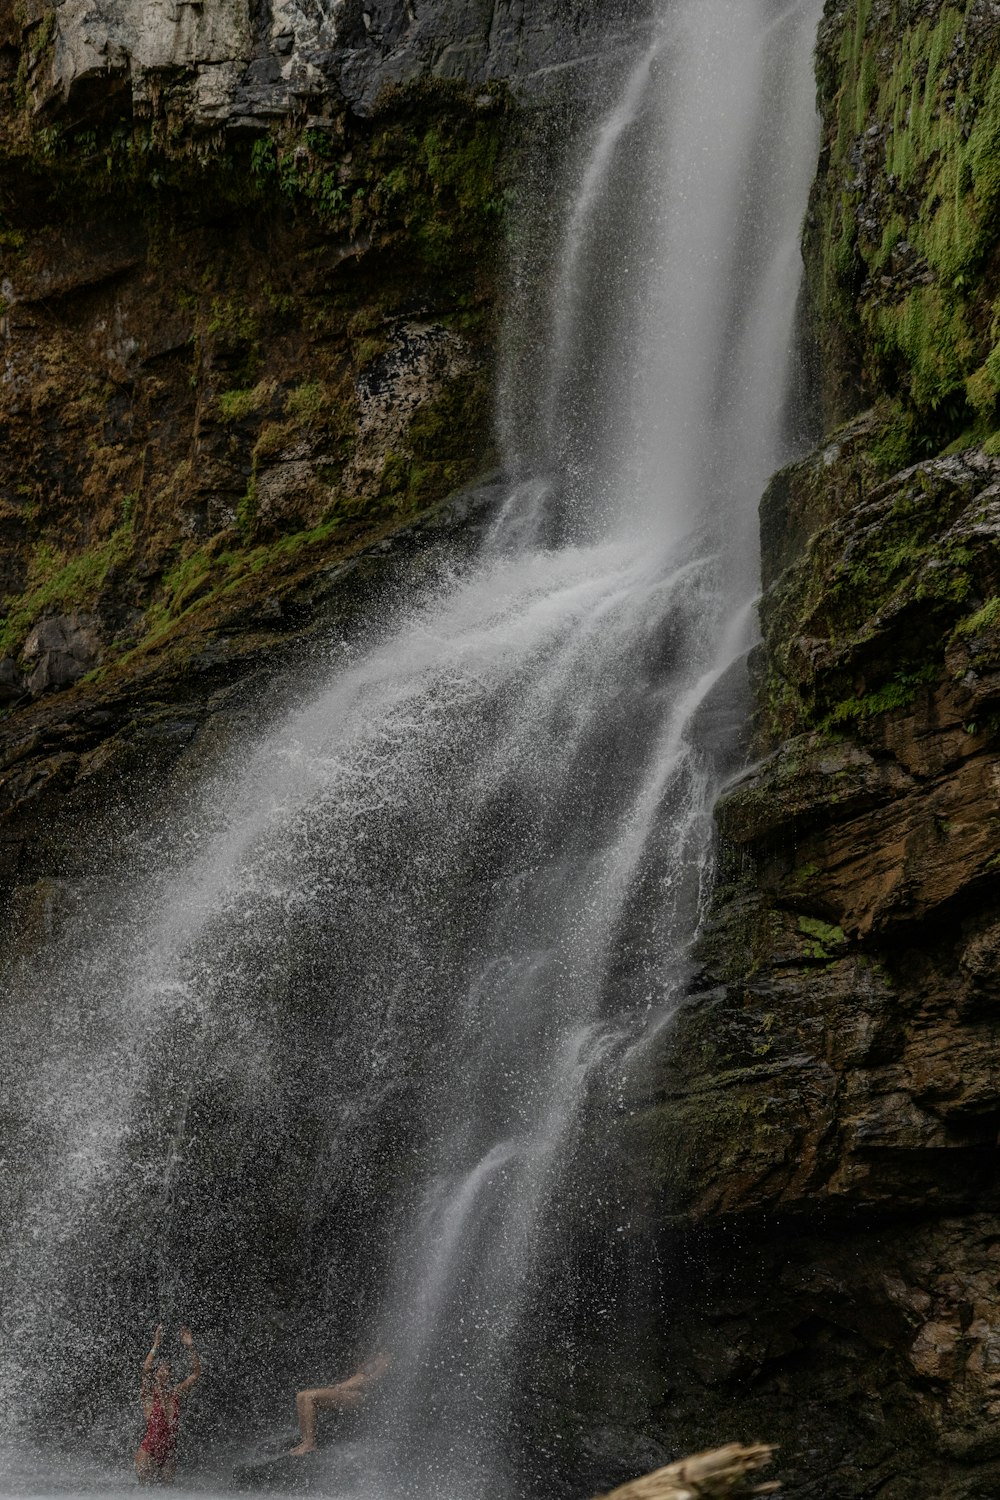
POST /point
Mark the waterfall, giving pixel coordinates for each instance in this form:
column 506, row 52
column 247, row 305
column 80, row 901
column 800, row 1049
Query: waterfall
column 313, row 1079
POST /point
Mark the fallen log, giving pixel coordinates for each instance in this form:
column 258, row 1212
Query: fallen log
column 720, row 1474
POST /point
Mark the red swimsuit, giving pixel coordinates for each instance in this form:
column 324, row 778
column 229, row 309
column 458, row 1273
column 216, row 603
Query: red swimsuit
column 161, row 1432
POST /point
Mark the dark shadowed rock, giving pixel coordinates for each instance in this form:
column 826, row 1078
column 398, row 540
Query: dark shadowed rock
column 60, row 650
column 11, row 680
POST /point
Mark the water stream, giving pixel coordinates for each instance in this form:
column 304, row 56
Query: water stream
column 314, row 1082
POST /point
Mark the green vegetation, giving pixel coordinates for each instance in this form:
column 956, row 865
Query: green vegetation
column 918, row 291
column 986, row 618
column 308, row 403
column 273, row 437
column 460, row 174
column 823, row 937
column 430, row 169
column 899, row 693
column 208, row 573
column 863, row 620
column 236, row 406
column 285, row 266
column 438, row 457
column 59, row 581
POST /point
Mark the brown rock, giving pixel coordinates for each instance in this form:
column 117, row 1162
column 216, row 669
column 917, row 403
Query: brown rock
column 934, row 1351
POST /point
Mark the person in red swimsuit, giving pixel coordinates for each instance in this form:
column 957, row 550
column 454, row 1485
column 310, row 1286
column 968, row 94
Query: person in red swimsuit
column 156, row 1457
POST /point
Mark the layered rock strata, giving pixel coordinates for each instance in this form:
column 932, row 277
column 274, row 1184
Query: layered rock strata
column 822, row 1126
column 240, row 63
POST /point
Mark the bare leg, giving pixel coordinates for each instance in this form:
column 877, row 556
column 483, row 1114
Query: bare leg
column 145, row 1468
column 305, row 1406
column 308, row 1403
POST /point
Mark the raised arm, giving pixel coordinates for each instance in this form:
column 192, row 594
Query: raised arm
column 145, row 1385
column 150, row 1360
column 187, row 1339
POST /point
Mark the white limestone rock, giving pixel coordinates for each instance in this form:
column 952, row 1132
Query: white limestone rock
column 247, row 61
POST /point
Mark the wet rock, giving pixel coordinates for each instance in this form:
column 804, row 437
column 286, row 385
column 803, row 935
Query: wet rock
column 934, row 1351
column 421, row 362
column 11, row 680
column 835, row 1072
column 284, row 490
column 164, row 722
column 60, row 650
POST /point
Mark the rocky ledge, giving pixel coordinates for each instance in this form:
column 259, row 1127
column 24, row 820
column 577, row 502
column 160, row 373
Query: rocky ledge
column 243, row 64
column 823, row 1122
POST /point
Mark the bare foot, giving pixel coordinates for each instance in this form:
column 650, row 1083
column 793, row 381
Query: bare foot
column 302, row 1449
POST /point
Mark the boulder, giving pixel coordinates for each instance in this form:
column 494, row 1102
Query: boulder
column 60, row 650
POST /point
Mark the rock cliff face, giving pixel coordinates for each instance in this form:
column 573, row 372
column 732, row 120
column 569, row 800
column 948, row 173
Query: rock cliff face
column 823, row 1125
column 243, row 62
column 249, row 272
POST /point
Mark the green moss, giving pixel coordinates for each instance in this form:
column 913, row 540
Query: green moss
column 286, row 548
column 236, row 406
column 42, row 35
column 986, row 618
column 983, row 151
column 188, row 578
column 206, row 574
column 308, row 403
column 246, row 510
column 897, row 441
column 446, row 443
column 395, row 473
column 929, row 135
column 804, row 875
column 59, row 580
column 823, row 937
column 445, row 187
column 821, row 931
column 982, row 391
column 274, row 436
column 422, row 184
column 894, row 695
column 368, row 350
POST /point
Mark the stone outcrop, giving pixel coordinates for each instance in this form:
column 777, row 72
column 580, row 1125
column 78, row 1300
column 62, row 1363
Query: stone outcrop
column 153, row 722
column 822, row 1123
column 60, row 650
column 242, row 64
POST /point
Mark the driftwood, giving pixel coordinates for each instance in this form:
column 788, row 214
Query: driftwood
column 721, row 1474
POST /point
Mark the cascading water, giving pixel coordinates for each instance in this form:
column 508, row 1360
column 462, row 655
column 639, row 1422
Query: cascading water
column 314, row 1081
